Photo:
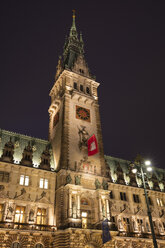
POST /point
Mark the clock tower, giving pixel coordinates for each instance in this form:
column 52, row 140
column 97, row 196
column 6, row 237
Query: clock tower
column 74, row 111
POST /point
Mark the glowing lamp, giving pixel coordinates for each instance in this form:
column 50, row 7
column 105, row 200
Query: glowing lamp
column 134, row 170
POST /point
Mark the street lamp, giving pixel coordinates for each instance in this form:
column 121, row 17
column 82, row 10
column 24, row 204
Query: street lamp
column 140, row 165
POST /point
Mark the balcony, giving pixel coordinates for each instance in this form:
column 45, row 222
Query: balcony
column 26, row 226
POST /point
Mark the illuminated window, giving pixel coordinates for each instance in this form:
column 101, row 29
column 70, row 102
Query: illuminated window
column 15, row 245
column 84, row 219
column 20, row 214
column 24, row 180
column 39, row 246
column 43, row 183
column 41, row 216
column 1, row 211
column 159, row 202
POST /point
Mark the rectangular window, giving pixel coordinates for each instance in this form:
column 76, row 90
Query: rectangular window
column 136, row 198
column 111, row 195
column 46, row 184
column 123, row 196
column 20, row 214
column 150, row 201
column 4, row 176
column 75, row 85
column 43, row 183
column 1, row 211
column 126, row 220
column 24, row 180
column 81, row 87
column 159, row 202
column 21, row 181
column 87, row 90
column 140, row 221
column 41, row 216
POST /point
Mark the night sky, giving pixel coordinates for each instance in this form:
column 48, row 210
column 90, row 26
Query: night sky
column 124, row 48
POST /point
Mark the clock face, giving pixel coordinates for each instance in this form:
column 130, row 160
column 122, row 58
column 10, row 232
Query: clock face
column 82, row 113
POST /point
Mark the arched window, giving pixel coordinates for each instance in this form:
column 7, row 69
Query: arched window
column 39, row 246
column 15, row 245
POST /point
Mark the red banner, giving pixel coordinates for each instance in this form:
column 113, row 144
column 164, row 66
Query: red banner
column 92, row 145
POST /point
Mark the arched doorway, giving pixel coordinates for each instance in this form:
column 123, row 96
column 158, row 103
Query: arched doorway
column 15, row 245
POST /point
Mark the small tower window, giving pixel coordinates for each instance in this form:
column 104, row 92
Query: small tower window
column 81, row 87
column 87, row 90
column 81, row 71
column 75, row 85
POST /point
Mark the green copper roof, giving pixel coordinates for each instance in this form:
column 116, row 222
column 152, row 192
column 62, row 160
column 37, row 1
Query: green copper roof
column 20, row 141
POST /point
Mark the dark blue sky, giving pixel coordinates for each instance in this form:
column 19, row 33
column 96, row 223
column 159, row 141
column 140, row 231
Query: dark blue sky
column 124, row 45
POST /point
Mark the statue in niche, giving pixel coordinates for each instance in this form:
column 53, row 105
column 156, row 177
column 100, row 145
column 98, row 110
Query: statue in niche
column 105, row 185
column 83, row 137
column 10, row 211
column 97, row 184
column 31, row 215
column 68, row 179
column 78, row 180
column 135, row 225
column 58, row 68
column 120, row 225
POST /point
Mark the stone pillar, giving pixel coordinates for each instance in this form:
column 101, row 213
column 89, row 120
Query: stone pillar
column 78, row 205
column 100, row 209
column 107, row 209
column 70, row 204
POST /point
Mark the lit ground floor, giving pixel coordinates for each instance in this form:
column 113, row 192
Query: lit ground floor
column 71, row 238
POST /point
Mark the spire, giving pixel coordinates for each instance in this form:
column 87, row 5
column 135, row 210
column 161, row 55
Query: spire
column 73, row 30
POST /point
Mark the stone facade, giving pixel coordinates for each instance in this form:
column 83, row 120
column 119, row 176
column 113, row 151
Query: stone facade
column 52, row 194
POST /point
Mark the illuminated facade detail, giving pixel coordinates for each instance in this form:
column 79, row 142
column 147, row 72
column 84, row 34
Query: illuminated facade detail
column 52, row 194
column 24, row 180
column 41, row 216
column 43, row 183
column 20, row 214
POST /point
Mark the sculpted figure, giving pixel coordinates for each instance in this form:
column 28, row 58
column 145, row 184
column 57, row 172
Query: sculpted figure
column 97, row 184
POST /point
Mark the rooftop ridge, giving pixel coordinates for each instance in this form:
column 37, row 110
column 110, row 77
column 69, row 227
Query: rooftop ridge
column 22, row 135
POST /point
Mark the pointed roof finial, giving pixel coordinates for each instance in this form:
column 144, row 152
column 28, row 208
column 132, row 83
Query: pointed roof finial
column 74, row 16
column 74, row 13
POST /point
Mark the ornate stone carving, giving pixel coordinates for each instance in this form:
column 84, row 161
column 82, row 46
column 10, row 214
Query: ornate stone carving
column 68, row 179
column 105, row 185
column 83, row 137
column 78, row 180
column 97, row 184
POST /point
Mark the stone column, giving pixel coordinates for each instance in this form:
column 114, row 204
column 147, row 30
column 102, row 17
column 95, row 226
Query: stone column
column 100, row 209
column 78, row 205
column 107, row 209
column 70, row 204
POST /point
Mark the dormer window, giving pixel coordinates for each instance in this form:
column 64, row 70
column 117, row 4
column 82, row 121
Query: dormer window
column 75, row 85
column 81, row 87
column 87, row 90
